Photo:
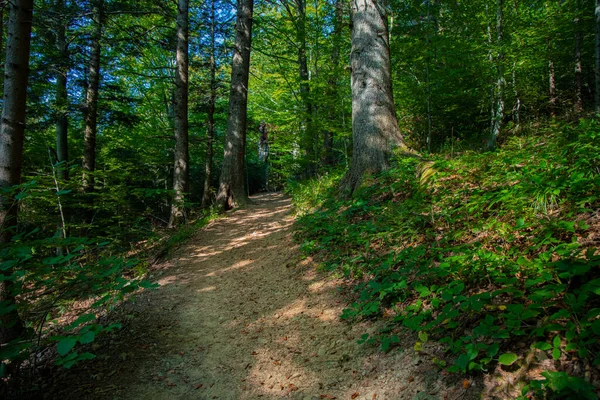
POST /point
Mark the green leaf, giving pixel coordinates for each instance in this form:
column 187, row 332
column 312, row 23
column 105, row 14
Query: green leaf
column 81, row 320
column 508, row 358
column 87, row 337
column 65, row 345
column 556, row 353
column 556, row 342
column 542, row 346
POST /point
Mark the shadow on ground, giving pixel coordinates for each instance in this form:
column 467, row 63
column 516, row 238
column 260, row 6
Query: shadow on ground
column 239, row 315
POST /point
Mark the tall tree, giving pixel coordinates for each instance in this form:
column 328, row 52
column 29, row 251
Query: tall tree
column 232, row 190
column 211, row 108
column 91, row 103
column 182, row 158
column 333, row 82
column 62, row 101
column 498, row 98
column 375, row 130
column 12, row 133
column 597, row 71
column 308, row 139
column 551, row 80
column 578, row 62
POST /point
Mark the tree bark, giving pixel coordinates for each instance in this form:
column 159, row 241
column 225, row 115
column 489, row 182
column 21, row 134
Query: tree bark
column 308, row 137
column 551, row 80
column 62, row 101
column 498, row 110
column 232, row 192
column 91, row 105
column 597, row 72
column 328, row 136
column 182, row 159
column 211, row 110
column 12, row 133
column 578, row 64
column 375, row 128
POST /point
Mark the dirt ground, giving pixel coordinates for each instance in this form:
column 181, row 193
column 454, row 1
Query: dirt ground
column 240, row 315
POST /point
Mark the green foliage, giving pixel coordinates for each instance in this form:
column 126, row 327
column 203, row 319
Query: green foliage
column 51, row 273
column 478, row 252
column 559, row 385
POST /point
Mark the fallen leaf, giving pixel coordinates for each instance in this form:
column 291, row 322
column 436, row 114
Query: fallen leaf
column 254, row 353
column 374, row 396
column 292, row 387
column 275, row 362
column 327, row 396
column 466, row 383
column 171, row 384
column 355, row 395
column 198, row 386
column 411, row 378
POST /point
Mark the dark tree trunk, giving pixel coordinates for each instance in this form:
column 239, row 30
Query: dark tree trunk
column 328, row 136
column 211, row 110
column 182, row 158
column 62, row 101
column 375, row 128
column 91, row 103
column 12, row 132
column 597, row 72
column 232, row 190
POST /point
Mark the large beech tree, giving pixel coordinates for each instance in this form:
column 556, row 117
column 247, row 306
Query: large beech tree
column 375, row 130
column 12, row 132
column 232, row 187
column 182, row 158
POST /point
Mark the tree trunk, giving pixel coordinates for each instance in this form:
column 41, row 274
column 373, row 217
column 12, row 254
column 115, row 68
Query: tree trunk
column 578, row 64
column 328, row 136
column 91, row 104
column 308, row 137
column 375, row 130
column 232, row 192
column 597, row 72
column 62, row 102
column 498, row 111
column 211, row 110
column 12, row 132
column 182, row 158
column 427, row 78
column 551, row 80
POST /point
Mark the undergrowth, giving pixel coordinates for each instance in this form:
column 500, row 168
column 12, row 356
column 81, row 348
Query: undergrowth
column 482, row 252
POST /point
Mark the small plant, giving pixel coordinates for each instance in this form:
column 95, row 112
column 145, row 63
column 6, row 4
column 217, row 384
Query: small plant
column 483, row 254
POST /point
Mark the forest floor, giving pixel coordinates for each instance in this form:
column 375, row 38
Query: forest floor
column 240, row 314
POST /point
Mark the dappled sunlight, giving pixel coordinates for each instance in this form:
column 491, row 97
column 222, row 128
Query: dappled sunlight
column 238, row 265
column 273, row 375
column 239, row 315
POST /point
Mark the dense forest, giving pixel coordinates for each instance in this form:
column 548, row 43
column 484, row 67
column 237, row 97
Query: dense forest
column 443, row 159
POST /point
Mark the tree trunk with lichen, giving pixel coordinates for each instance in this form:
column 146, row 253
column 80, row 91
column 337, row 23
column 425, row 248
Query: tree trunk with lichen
column 232, row 186
column 206, row 195
column 375, row 130
column 181, row 154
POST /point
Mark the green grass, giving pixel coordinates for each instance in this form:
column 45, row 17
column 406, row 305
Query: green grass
column 479, row 252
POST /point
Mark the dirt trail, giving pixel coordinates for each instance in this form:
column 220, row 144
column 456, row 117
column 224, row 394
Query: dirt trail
column 240, row 316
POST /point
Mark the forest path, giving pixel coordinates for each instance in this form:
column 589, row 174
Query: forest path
column 239, row 316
